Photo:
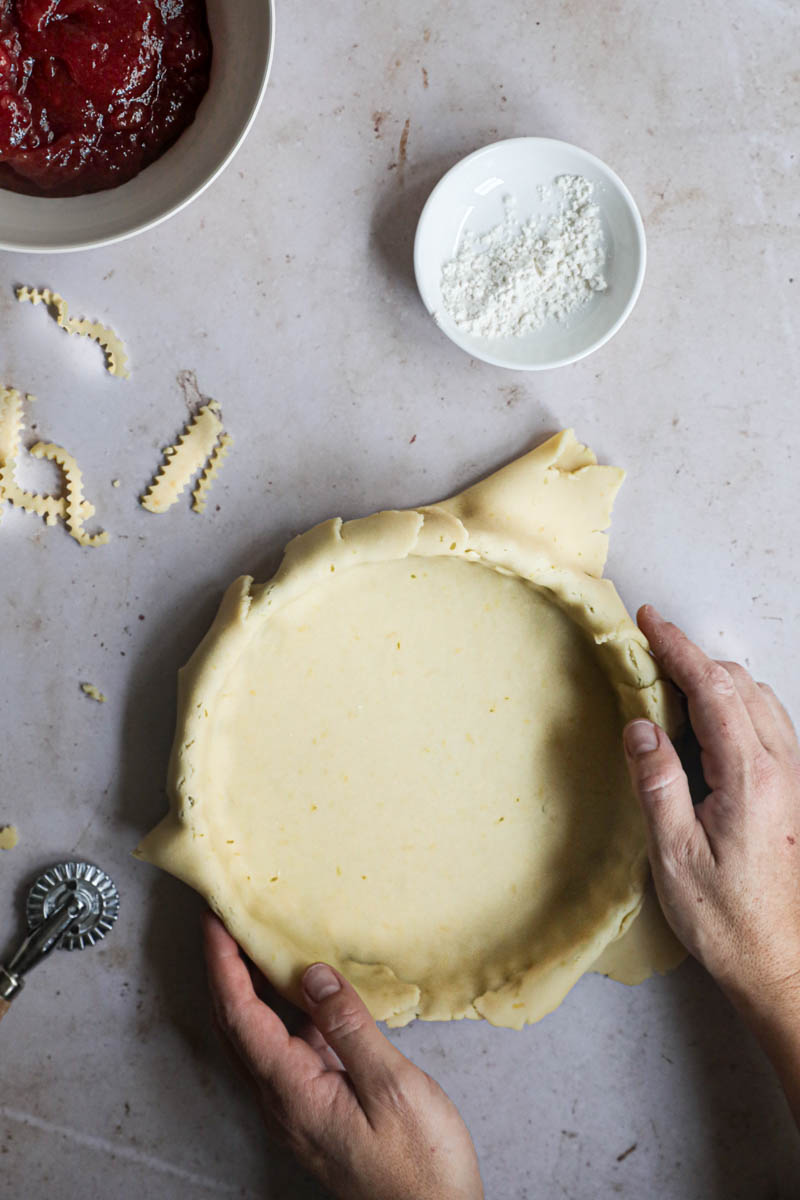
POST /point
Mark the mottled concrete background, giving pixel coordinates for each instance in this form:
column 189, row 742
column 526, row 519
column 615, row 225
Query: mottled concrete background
column 288, row 290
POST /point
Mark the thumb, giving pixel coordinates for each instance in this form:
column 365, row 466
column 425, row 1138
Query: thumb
column 342, row 1017
column 661, row 787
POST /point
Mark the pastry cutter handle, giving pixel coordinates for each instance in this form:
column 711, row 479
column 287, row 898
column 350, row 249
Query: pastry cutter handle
column 39, row 942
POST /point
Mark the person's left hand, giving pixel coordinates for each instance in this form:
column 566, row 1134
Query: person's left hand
column 350, row 1106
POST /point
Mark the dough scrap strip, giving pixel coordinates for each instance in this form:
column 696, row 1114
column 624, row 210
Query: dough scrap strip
column 212, row 470
column 113, row 347
column 11, row 426
column 184, row 459
column 48, row 507
column 10, row 423
column 10, row 432
column 73, row 478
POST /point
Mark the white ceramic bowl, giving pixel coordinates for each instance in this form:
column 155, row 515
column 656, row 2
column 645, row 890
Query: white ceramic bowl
column 243, row 36
column 470, row 197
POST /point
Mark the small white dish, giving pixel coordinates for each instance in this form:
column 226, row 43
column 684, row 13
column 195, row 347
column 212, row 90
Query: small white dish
column 470, row 197
column 243, row 39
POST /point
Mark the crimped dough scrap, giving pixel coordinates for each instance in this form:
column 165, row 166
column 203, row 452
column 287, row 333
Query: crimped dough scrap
column 75, row 505
column 184, row 459
column 402, row 754
column 10, row 438
column 111, row 344
column 72, row 508
column 210, row 473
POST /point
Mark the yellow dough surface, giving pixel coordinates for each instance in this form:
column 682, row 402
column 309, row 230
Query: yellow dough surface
column 9, row 837
column 403, row 754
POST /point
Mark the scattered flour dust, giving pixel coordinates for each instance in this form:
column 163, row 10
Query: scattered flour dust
column 511, row 280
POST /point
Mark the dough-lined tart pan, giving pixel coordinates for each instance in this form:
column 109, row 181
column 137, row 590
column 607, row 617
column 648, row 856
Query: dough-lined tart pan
column 402, row 754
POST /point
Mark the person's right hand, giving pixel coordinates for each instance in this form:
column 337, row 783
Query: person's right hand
column 728, row 871
column 351, row 1107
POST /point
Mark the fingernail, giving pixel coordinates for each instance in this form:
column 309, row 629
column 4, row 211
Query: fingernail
column 640, row 738
column 319, row 982
column 653, row 613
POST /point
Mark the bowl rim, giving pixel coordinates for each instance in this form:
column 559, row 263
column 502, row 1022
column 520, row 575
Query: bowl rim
column 641, row 246
column 179, row 205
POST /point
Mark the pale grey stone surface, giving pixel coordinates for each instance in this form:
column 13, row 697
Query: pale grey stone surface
column 288, row 289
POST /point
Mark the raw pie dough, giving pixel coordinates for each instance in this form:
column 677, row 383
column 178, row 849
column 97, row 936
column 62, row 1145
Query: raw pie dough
column 402, row 754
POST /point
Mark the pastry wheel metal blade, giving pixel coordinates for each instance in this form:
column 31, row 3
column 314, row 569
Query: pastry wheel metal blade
column 70, row 906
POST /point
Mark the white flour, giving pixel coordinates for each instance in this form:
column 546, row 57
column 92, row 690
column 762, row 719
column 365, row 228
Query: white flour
column 513, row 279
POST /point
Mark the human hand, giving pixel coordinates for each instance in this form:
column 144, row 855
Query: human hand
column 349, row 1105
column 728, row 871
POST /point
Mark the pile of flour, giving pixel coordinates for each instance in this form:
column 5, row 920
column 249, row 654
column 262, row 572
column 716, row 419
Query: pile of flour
column 513, row 279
